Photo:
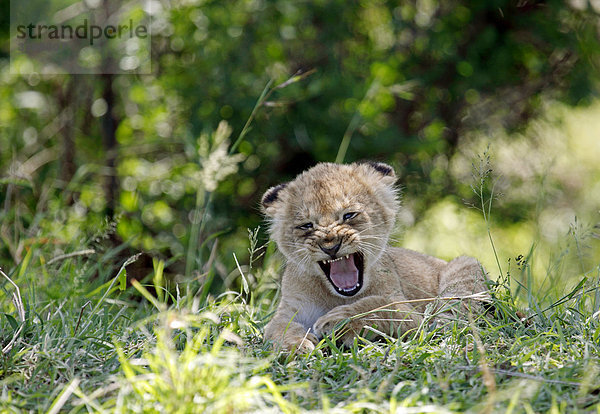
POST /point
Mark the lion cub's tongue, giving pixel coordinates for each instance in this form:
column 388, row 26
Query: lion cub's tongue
column 343, row 273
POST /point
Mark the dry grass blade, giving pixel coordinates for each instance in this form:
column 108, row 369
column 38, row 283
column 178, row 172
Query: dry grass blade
column 16, row 297
column 20, row 311
column 480, row 296
column 85, row 252
column 64, row 396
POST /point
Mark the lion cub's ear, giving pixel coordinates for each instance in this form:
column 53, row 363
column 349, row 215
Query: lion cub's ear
column 387, row 173
column 271, row 199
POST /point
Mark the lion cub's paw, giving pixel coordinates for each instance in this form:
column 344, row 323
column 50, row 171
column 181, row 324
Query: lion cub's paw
column 327, row 323
column 301, row 344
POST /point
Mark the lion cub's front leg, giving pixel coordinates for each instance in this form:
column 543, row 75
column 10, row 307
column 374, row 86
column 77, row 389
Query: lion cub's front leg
column 382, row 313
column 290, row 335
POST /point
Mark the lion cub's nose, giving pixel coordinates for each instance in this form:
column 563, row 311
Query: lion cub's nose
column 331, row 251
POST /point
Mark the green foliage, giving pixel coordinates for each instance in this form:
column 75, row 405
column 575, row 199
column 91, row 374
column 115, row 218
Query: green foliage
column 74, row 339
column 244, row 95
column 401, row 81
column 59, row 337
column 204, row 376
column 106, row 350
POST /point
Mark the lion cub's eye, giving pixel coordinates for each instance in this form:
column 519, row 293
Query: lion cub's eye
column 351, row 215
column 305, row 226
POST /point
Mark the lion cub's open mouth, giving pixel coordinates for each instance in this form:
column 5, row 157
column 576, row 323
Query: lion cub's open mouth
column 345, row 273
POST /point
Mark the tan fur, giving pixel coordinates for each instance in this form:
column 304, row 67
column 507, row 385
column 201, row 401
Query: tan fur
column 394, row 279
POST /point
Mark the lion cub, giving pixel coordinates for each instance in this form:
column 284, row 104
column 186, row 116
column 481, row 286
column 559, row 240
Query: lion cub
column 332, row 223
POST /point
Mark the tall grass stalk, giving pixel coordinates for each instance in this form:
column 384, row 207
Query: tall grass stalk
column 206, row 197
column 481, row 174
column 355, row 122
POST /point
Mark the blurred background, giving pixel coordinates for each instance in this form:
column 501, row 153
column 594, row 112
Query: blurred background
column 488, row 110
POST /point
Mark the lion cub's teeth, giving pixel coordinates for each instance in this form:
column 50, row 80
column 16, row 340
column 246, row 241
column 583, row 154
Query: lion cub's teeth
column 335, row 260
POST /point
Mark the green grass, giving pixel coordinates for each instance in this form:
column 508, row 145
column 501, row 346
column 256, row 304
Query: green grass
column 80, row 344
column 84, row 331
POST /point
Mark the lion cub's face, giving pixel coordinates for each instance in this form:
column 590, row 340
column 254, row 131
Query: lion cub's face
column 334, row 220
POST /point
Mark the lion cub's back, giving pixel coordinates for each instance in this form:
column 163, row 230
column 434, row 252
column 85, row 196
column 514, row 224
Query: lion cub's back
column 418, row 272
